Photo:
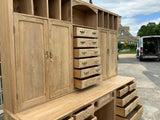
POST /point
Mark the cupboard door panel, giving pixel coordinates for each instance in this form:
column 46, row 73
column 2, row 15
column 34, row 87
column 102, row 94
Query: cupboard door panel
column 104, row 47
column 60, row 68
column 30, row 35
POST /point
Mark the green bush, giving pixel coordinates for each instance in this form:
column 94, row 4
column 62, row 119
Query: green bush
column 132, row 46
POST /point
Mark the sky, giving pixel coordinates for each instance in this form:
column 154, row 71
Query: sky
column 134, row 13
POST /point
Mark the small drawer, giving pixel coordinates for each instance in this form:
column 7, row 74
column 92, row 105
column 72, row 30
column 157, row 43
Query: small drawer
column 134, row 115
column 84, row 42
column 124, row 111
column 122, row 91
column 131, row 86
column 81, row 53
column 104, row 100
column 82, row 63
column 126, row 98
column 85, row 32
column 87, row 72
column 85, row 113
column 81, row 84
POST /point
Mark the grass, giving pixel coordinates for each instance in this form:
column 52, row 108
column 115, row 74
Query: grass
column 127, row 51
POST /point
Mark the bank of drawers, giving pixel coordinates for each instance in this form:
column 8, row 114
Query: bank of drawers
column 87, row 61
column 127, row 103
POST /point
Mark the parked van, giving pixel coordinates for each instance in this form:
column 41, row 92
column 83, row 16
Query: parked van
column 148, row 47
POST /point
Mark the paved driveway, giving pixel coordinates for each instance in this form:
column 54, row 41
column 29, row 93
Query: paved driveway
column 147, row 77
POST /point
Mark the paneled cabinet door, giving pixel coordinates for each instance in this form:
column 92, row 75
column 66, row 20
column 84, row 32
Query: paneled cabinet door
column 104, row 50
column 30, row 37
column 112, row 53
column 60, row 62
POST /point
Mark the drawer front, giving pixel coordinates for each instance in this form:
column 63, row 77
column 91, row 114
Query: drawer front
column 124, row 100
column 103, row 100
column 84, row 42
column 80, row 53
column 81, row 84
column 82, row 63
column 85, row 113
column 87, row 72
column 131, row 86
column 134, row 115
column 127, row 109
column 84, row 32
column 122, row 91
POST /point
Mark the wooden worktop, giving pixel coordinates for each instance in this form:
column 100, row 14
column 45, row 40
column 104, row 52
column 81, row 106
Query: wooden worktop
column 70, row 103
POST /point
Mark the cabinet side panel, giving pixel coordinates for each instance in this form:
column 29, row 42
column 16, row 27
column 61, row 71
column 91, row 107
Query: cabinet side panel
column 7, row 53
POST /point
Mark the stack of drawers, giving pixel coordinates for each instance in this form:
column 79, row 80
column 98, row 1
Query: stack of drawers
column 127, row 103
column 87, row 69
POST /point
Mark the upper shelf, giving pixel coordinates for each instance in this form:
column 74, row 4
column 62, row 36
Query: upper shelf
column 76, row 11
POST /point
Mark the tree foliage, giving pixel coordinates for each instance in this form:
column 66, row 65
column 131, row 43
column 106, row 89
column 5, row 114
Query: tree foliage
column 149, row 29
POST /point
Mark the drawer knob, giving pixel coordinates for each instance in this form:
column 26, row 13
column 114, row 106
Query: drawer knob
column 82, row 42
column 84, row 63
column 82, row 32
column 86, row 73
column 96, row 52
column 84, row 53
column 98, row 70
column 93, row 33
column 94, row 43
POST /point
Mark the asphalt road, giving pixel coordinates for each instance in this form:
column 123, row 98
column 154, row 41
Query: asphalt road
column 147, row 77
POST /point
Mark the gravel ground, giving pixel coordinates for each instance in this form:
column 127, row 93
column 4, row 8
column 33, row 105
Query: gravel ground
column 147, row 77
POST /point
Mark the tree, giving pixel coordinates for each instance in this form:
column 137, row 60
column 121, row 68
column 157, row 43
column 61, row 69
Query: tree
column 149, row 29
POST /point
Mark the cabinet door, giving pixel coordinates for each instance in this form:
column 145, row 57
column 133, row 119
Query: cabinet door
column 112, row 53
column 60, row 63
column 30, row 38
column 104, row 50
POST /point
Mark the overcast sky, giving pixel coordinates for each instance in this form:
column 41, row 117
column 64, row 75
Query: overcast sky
column 135, row 13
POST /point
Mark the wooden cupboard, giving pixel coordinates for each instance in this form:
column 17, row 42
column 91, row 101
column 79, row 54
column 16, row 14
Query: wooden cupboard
column 55, row 48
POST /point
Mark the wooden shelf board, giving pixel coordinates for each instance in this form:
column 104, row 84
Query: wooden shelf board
column 70, row 103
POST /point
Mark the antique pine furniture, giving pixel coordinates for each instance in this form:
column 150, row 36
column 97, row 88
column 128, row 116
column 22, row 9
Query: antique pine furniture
column 59, row 62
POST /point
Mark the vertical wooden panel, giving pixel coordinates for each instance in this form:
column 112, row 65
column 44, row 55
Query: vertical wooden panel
column 60, row 67
column 30, row 37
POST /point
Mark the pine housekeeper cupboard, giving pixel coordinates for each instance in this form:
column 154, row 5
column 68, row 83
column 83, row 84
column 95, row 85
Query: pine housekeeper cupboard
column 52, row 48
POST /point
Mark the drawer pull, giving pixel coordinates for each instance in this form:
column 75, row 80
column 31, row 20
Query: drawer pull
column 93, row 33
column 84, row 53
column 82, row 32
column 94, row 43
column 98, row 70
column 82, row 42
column 97, row 61
column 86, row 73
column 84, row 63
column 96, row 52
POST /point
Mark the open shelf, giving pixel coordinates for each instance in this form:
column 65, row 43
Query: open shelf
column 55, row 9
column 100, row 18
column 106, row 20
column 106, row 112
column 66, row 10
column 23, row 6
column 111, row 21
column 40, row 8
column 115, row 22
column 85, row 16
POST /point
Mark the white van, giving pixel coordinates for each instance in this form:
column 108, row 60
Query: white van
column 148, row 47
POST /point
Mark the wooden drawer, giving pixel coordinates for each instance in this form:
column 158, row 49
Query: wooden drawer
column 82, row 63
column 87, row 72
column 81, row 84
column 85, row 113
column 134, row 115
column 80, row 53
column 131, row 86
column 84, row 42
column 104, row 100
column 122, row 91
column 126, row 98
column 124, row 111
column 84, row 32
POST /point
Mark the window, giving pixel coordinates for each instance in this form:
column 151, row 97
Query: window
column 122, row 32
